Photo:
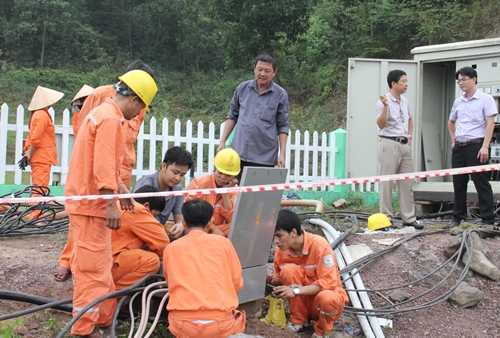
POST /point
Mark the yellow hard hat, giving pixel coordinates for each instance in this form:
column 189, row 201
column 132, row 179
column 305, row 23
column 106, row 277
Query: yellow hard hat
column 227, row 161
column 378, row 221
column 142, row 84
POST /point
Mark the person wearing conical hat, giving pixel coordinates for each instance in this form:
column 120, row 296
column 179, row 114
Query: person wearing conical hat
column 95, row 170
column 76, row 105
column 131, row 127
column 40, row 146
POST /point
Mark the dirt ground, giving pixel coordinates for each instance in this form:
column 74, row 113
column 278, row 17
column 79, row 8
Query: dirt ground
column 27, row 264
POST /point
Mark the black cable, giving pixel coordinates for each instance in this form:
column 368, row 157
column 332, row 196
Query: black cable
column 130, row 289
column 54, row 304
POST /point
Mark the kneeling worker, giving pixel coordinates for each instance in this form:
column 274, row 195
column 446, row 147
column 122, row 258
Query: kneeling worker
column 227, row 167
column 131, row 261
column 306, row 272
column 203, row 275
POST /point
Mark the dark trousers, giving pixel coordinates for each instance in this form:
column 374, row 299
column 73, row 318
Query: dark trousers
column 467, row 157
column 250, row 164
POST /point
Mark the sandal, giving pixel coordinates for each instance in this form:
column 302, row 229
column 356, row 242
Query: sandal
column 97, row 333
column 61, row 274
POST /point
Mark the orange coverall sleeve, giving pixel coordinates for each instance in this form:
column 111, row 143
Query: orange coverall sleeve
column 98, row 96
column 149, row 230
column 105, row 154
column 74, row 122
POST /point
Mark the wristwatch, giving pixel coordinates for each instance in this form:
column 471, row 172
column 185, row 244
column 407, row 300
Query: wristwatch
column 296, row 291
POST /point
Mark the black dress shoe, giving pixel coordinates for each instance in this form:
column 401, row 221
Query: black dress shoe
column 453, row 223
column 414, row 224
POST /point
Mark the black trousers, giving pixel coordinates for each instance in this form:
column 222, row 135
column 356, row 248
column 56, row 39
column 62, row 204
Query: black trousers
column 467, row 157
column 250, row 164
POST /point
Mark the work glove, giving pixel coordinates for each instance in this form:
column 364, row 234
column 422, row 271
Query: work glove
column 23, row 163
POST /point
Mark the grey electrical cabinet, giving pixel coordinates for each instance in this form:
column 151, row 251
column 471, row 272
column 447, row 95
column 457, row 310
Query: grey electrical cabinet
column 432, row 90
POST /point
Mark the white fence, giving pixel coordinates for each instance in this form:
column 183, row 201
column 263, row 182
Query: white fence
column 308, row 160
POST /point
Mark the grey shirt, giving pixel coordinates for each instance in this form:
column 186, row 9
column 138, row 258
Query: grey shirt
column 260, row 118
column 173, row 203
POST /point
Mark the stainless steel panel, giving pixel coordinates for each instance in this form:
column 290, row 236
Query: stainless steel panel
column 255, row 213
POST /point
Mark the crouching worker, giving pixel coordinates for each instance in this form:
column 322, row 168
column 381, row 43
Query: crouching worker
column 138, row 245
column 227, row 167
column 306, row 273
column 203, row 275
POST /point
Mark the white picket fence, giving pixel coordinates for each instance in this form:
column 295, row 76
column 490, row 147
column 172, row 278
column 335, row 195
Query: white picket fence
column 308, row 160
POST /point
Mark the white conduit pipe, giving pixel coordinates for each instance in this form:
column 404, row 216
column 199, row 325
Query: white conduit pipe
column 343, row 254
column 320, row 207
column 145, row 300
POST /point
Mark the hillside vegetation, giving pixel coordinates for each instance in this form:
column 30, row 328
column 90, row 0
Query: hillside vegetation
column 201, row 49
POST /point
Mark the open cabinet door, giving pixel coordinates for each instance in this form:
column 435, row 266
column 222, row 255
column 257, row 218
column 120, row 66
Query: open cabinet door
column 367, row 79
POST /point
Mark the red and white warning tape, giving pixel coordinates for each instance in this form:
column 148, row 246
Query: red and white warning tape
column 268, row 187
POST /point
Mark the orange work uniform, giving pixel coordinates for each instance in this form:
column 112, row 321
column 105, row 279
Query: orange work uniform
column 130, row 261
column 316, row 265
column 74, row 122
column 222, row 217
column 131, row 127
column 95, row 165
column 42, row 135
column 203, row 275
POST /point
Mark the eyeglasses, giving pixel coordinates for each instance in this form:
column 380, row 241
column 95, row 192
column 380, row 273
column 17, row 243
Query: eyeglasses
column 463, row 80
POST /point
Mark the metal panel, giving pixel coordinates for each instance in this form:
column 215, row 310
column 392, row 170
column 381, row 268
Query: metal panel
column 254, row 219
column 367, row 80
column 255, row 284
column 457, row 50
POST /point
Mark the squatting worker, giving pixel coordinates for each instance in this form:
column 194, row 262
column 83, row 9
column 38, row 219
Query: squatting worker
column 131, row 129
column 260, row 109
column 306, row 273
column 40, row 146
column 176, row 163
column 138, row 245
column 95, row 169
column 76, row 105
column 203, row 274
column 471, row 124
column 227, row 167
column 395, row 127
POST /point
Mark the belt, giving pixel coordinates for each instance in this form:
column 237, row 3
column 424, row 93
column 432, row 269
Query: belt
column 402, row 140
column 466, row 143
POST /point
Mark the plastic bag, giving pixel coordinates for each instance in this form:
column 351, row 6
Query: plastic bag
column 276, row 315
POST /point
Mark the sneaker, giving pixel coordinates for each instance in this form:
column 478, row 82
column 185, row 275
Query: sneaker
column 294, row 327
column 414, row 224
column 315, row 335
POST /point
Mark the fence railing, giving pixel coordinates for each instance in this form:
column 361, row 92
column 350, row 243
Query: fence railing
column 310, row 157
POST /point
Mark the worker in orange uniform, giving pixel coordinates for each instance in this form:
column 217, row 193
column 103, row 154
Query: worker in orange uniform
column 76, row 105
column 227, row 167
column 131, row 262
column 95, row 170
column 40, row 146
column 132, row 127
column 306, row 273
column 203, row 275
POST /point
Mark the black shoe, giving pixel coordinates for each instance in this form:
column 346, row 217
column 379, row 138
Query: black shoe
column 414, row 224
column 453, row 223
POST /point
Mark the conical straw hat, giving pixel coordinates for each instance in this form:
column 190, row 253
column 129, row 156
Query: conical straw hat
column 43, row 98
column 84, row 91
